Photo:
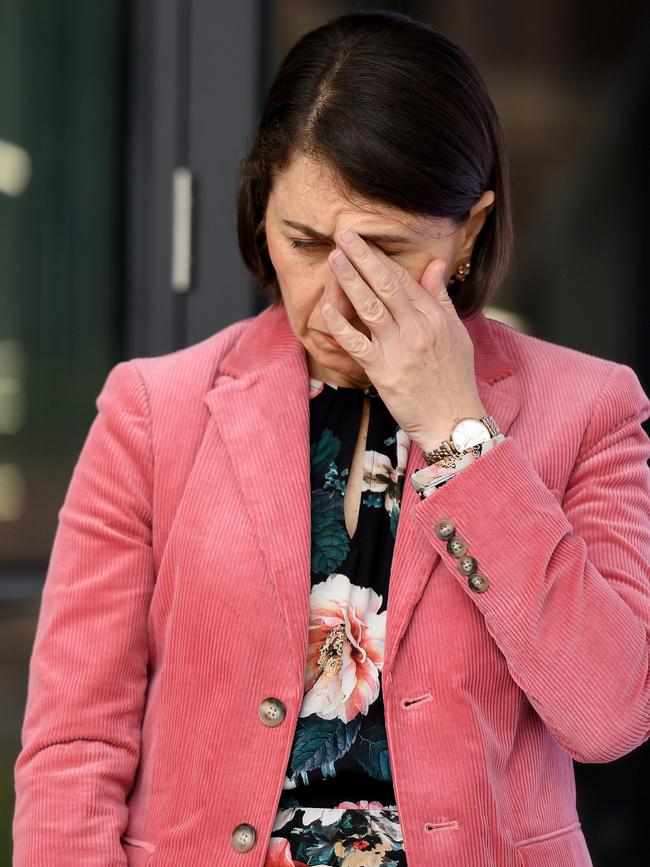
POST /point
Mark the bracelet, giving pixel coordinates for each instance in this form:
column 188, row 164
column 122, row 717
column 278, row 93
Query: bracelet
column 426, row 480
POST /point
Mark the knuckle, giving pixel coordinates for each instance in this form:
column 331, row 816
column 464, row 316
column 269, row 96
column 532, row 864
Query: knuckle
column 389, row 284
column 373, row 308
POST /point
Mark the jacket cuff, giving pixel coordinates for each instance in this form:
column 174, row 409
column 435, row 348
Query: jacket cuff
column 501, row 541
column 428, row 479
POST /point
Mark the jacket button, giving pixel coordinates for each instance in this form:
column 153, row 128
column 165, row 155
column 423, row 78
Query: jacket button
column 445, row 529
column 272, row 711
column 456, row 546
column 478, row 582
column 243, row 838
column 467, row 564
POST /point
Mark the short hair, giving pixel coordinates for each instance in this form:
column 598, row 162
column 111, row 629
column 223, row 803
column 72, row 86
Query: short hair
column 400, row 114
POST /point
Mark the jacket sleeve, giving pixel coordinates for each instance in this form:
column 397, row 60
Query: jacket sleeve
column 568, row 595
column 88, row 669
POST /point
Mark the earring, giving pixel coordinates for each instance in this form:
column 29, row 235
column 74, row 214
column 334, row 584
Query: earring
column 462, row 270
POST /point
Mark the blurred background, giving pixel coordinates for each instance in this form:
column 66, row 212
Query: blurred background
column 121, row 130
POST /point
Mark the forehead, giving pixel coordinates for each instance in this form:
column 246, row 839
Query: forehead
column 310, row 192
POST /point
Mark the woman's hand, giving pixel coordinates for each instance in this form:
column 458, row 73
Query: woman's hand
column 421, row 357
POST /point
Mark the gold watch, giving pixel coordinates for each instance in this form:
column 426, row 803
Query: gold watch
column 467, row 435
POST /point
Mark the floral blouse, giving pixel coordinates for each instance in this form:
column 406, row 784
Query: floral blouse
column 337, row 804
column 338, row 799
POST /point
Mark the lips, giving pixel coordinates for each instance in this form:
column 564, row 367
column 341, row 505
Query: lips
column 331, row 339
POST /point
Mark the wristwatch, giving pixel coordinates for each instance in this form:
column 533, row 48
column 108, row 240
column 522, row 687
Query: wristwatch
column 467, row 435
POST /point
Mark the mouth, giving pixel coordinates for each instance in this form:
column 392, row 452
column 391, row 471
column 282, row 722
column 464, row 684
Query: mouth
column 329, row 338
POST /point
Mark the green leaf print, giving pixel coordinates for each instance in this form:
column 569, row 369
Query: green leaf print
column 318, row 743
column 373, row 499
column 314, row 853
column 394, row 519
column 322, row 454
column 371, row 752
column 330, row 542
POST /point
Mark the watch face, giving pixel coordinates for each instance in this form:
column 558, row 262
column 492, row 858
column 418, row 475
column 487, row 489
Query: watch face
column 469, row 432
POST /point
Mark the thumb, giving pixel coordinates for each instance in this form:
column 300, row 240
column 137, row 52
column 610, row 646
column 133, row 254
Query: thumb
column 432, row 281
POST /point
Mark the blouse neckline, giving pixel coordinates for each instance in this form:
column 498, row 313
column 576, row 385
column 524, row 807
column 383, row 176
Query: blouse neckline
column 370, row 390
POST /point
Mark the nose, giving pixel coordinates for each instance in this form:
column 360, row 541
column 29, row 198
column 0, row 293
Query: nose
column 336, row 295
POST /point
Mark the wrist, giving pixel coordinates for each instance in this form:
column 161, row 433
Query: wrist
column 431, row 439
column 429, row 478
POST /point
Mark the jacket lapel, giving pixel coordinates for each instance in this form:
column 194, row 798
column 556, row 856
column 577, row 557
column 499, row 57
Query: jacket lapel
column 260, row 408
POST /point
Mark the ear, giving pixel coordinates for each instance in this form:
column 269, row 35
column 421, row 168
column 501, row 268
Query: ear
column 474, row 223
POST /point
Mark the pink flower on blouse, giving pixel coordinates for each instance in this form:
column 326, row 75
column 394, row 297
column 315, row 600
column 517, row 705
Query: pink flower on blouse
column 345, row 650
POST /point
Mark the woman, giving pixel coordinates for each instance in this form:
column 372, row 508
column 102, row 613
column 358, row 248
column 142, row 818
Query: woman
column 353, row 584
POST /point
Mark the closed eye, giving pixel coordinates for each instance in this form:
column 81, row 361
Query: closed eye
column 312, row 245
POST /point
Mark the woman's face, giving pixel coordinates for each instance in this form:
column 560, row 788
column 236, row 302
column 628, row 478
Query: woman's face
column 304, row 198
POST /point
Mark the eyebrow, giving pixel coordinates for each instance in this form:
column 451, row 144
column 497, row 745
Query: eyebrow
column 377, row 238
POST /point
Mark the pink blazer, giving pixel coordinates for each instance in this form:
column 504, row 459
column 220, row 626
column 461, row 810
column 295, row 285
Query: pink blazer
column 176, row 602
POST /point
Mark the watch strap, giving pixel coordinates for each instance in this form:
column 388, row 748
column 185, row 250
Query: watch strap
column 446, row 454
column 428, row 478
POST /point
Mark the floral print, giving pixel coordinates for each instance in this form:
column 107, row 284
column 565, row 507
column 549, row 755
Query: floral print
column 340, row 749
column 330, row 458
column 360, row 834
column 345, row 651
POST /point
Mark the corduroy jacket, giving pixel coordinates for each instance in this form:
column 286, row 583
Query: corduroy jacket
column 176, row 603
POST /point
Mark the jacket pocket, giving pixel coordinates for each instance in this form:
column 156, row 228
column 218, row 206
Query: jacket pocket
column 564, row 847
column 138, row 852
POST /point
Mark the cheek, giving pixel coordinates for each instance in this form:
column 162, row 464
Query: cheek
column 297, row 280
column 289, row 265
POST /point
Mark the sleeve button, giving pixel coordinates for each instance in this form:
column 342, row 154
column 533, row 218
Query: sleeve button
column 456, row 546
column 445, row 529
column 478, row 582
column 467, row 565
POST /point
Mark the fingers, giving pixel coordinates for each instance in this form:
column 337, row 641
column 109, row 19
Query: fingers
column 355, row 343
column 371, row 304
column 376, row 286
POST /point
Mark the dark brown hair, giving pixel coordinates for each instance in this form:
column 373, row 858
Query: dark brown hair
column 401, row 116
